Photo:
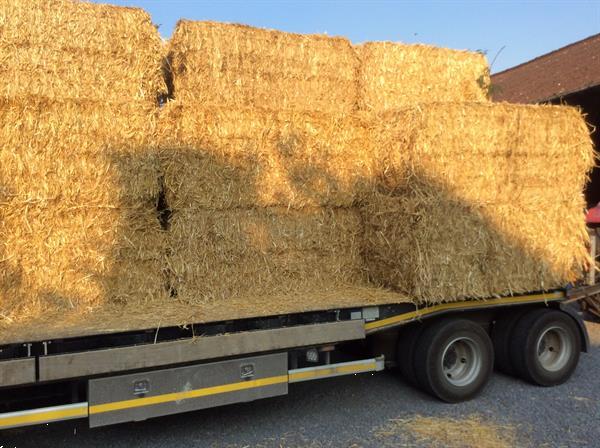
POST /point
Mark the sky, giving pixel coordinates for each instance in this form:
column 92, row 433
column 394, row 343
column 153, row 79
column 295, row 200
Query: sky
column 509, row 32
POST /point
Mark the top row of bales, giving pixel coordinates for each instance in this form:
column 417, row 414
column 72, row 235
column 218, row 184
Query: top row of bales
column 76, row 50
column 219, row 64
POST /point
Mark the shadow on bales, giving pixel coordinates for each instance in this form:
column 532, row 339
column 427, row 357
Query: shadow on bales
column 194, row 236
column 423, row 240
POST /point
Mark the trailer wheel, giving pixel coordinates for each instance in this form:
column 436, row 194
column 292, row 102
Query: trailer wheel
column 407, row 341
column 454, row 359
column 545, row 347
column 502, row 337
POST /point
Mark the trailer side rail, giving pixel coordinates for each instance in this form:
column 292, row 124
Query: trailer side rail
column 72, row 365
column 403, row 318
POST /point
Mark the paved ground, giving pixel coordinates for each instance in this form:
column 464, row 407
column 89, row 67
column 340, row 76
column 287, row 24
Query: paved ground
column 366, row 411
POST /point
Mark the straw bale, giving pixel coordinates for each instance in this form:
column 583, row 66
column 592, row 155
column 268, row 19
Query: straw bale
column 72, row 260
column 82, row 125
column 483, row 200
column 273, row 253
column 112, row 178
column 80, row 74
column 224, row 157
column 66, row 24
column 395, row 75
column 272, row 230
column 71, row 49
column 221, row 64
column 82, row 152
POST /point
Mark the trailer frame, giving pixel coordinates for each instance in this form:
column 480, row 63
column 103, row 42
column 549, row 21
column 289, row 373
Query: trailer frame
column 138, row 375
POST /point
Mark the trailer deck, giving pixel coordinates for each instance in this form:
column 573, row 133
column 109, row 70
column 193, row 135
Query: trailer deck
column 110, row 319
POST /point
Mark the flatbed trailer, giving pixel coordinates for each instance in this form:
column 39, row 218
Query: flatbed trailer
column 448, row 350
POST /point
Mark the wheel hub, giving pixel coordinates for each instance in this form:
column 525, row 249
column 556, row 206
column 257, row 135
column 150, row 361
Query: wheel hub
column 461, row 361
column 554, row 349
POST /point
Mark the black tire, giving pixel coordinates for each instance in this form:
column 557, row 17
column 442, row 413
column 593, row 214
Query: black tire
column 502, row 337
column 550, row 361
column 407, row 341
column 431, row 366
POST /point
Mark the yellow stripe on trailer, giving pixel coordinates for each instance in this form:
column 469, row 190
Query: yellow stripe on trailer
column 177, row 396
column 43, row 415
column 332, row 371
column 243, row 385
column 464, row 305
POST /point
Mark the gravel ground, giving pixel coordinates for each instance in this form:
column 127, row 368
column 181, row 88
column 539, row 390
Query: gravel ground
column 365, row 411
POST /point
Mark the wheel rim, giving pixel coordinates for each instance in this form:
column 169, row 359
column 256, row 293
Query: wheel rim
column 554, row 349
column 461, row 361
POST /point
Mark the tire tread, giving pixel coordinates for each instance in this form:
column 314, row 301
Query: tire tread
column 522, row 351
column 426, row 360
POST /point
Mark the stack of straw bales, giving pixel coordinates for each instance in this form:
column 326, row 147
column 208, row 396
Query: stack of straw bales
column 290, row 173
column 478, row 200
column 262, row 166
column 394, row 160
column 78, row 225
column 264, row 132
column 262, row 202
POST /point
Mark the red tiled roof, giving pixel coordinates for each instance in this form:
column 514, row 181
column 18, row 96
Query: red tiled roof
column 567, row 70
